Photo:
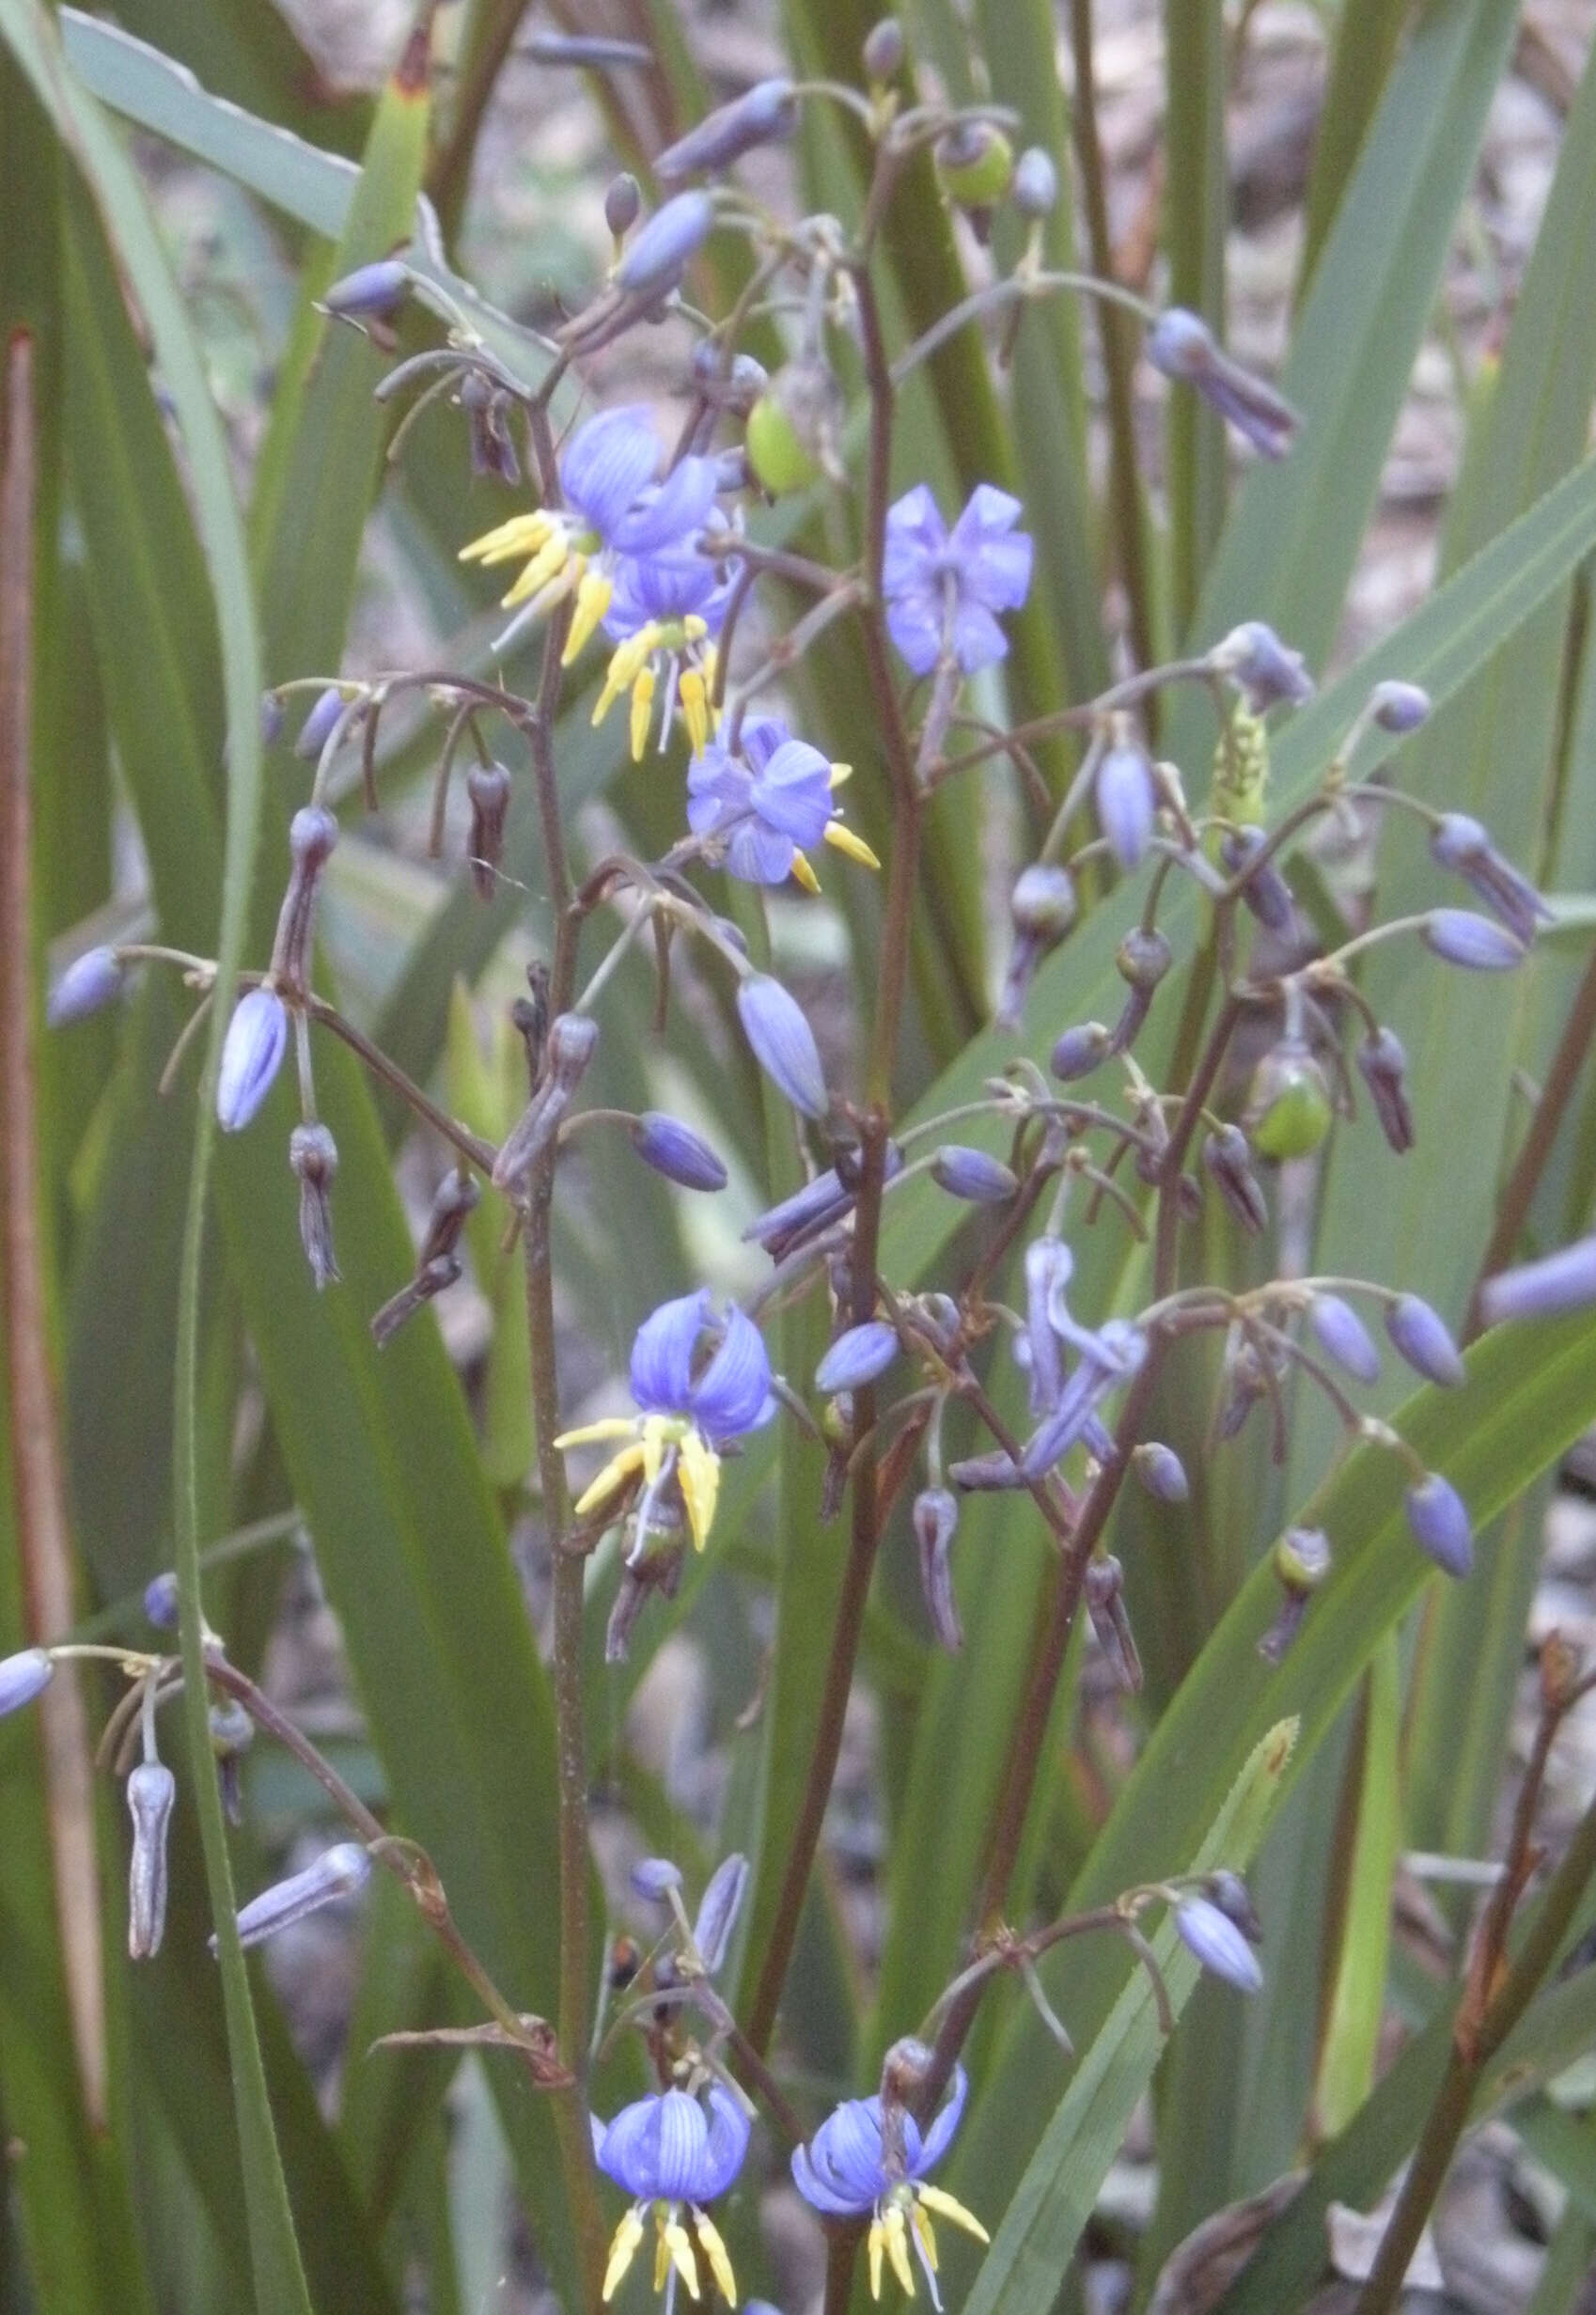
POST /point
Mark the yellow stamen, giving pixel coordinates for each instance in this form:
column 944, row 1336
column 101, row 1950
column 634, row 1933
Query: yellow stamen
column 662, row 2251
column 589, row 1434
column 803, row 874
column 524, row 534
column 622, row 2252
column 611, row 1480
column 926, row 2238
column 642, row 707
column 840, row 771
column 592, row 600
column 898, row 2246
column 549, row 561
column 715, row 2252
column 840, row 836
column 695, row 708
column 693, row 629
column 698, row 1470
column 656, row 1434
column 946, row 2206
column 680, row 2250
column 877, row 2243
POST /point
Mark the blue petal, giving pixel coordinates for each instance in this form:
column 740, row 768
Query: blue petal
column 719, row 790
column 821, row 2194
column 939, row 2137
column 718, row 1909
column 726, row 2144
column 662, row 1356
column 783, row 1043
column 915, row 534
column 669, row 515
column 760, row 855
column 733, row 1394
column 760, row 741
column 913, row 620
column 793, row 792
column 629, row 2148
column 606, row 464
column 683, row 2133
column 846, row 2150
column 979, row 641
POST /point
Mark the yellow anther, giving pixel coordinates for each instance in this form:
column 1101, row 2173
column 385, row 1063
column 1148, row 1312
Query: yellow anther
column 898, row 2246
column 549, row 561
column 622, row 2252
column 693, row 629
column 803, row 874
column 715, row 2252
column 592, row 600
column 695, row 708
column 524, row 534
column 840, row 771
column 697, row 1468
column 923, row 2235
column 642, row 707
column 656, row 1437
column 680, row 2250
column 840, row 836
column 947, row 2206
column 589, row 1434
column 611, row 1480
column 877, row 2243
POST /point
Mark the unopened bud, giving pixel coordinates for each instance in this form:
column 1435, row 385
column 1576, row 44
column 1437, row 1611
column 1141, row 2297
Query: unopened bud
column 935, row 1520
column 1265, row 891
column 1263, row 671
column 1161, row 1472
column 883, row 51
column 718, row 1909
column 252, row 1054
column 370, row 292
column 314, row 1157
column 1438, row 1519
column 623, row 204
column 23, row 1677
column 322, row 722
column 1459, row 936
column 857, row 1356
column 783, row 1043
column 151, row 1790
column 972, row 1173
column 336, row 1873
column 1035, row 189
column 766, row 115
column 1398, row 707
column 488, row 785
column 1343, row 1333
column 1081, row 1050
column 1562, row 1281
column 661, row 250
column 161, row 1600
column 1218, row 1943
column 675, row 1151
column 1424, row 1340
column 1126, row 800
column 89, row 983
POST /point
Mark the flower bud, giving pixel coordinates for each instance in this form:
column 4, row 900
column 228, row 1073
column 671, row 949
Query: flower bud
column 857, row 1356
column 782, row 1042
column 1261, row 667
column 972, row 1174
column 1161, row 1472
column 718, row 1909
column 1228, row 1159
column 1034, row 188
column 90, row 983
column 1424, row 1341
column 883, row 51
column 313, row 1154
column 1265, row 892
column 1081, row 1050
column 271, row 718
column 623, row 204
column 661, row 250
column 23, row 1677
column 975, row 162
column 252, row 1054
column 151, row 1790
column 1288, row 1110
column 488, row 785
column 675, row 1150
column 1382, row 1064
column 987, row 1474
column 161, row 1600
column 1218, row 1943
column 1562, row 1281
column 1439, row 1522
column 1398, row 707
column 338, row 1872
column 1231, row 1893
column 320, row 724
column 1041, row 909
column 1344, row 1335
column 1126, row 802
column 1182, row 345
column 655, row 1878
column 1459, row 936
column 1143, row 957
column 766, row 115
column 936, row 1519
column 371, row 291
column 1464, row 846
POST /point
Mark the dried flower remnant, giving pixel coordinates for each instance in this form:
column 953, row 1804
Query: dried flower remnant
column 336, row 1873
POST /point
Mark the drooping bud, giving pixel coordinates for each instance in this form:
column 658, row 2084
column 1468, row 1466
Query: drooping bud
column 975, row 162
column 1142, row 959
column 1126, row 800
column 1161, row 1472
column 1261, row 667
column 1228, row 1159
column 371, row 292
column 1562, row 1281
column 338, row 1872
column 881, row 54
column 623, row 204
column 1182, row 345
column 89, row 983
column 1438, row 1520
column 151, row 1790
column 1081, row 1050
column 1289, row 1108
column 252, row 1054
column 1459, row 936
column 567, row 1051
column 23, row 1677
column 1398, row 707
column 1231, row 1893
column 1035, row 189
column 1041, row 909
column 1343, row 1333
column 655, row 1878
column 972, row 1173
column 314, row 1157
column 857, row 1356
column 320, row 724
column 1422, row 1337
column 1464, row 846
column 1265, row 891
column 1384, row 1065
column 766, row 115
column 1218, row 1943
column 783, row 1042
column 675, row 1150
column 935, row 1520
column 488, row 785
column 161, row 1600
column 661, row 250
column 718, row 1909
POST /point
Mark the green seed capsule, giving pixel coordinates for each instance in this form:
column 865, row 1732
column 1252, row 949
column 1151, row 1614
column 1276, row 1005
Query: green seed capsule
column 1289, row 1111
column 975, row 162
column 775, row 453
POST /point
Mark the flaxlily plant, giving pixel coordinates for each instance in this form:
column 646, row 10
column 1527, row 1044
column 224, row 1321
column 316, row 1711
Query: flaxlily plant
column 1099, row 1282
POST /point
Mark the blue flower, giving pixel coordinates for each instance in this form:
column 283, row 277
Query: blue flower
column 767, row 805
column 613, row 508
column 692, row 1408
column 664, row 616
column 852, row 2166
column 673, row 2157
column 941, row 587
